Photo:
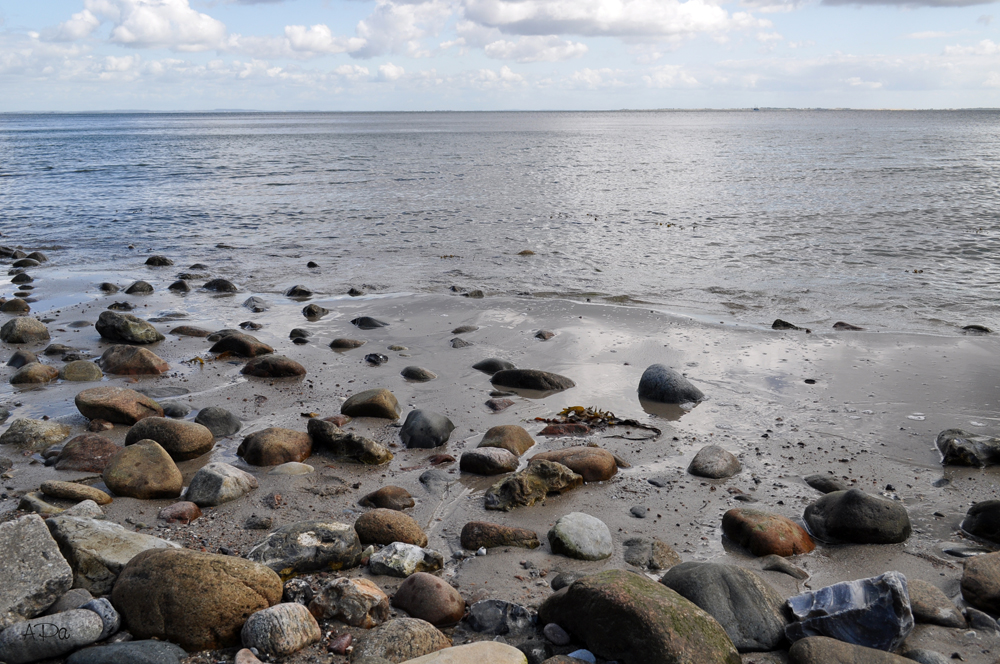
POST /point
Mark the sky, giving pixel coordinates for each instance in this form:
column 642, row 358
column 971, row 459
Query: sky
column 423, row 55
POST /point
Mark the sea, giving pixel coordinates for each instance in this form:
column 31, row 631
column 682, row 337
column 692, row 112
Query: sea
column 883, row 219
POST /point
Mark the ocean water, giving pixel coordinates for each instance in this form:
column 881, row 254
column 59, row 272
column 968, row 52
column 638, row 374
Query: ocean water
column 887, row 220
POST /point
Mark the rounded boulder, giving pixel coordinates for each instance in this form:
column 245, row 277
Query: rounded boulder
column 181, row 439
column 661, row 384
column 429, row 598
column 145, row 471
column 385, row 526
column 274, row 446
column 116, row 404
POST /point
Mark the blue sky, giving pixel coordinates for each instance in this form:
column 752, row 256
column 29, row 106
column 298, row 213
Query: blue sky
column 69, row 55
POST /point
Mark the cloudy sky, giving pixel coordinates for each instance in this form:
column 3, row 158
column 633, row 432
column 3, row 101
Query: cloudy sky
column 67, row 55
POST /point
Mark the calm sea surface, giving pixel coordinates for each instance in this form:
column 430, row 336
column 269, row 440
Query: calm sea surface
column 812, row 217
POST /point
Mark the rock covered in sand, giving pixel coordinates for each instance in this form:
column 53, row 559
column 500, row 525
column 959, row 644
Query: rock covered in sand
column 531, row 485
column 334, row 440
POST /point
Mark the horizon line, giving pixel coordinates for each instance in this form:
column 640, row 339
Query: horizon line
column 619, row 110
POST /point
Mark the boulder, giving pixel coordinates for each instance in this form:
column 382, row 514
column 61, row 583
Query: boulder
column 15, row 306
column 400, row 640
column 961, row 448
column 34, row 571
column 220, row 286
column 145, row 471
column 401, row 560
column 480, row 534
column 158, row 261
column 342, row 443
column 471, row 653
column 983, row 520
column 50, row 637
column 531, row 485
column 126, row 328
column 531, row 379
column 35, row 373
column 492, row 365
column 274, row 446
column 88, row 452
column 357, row 602
column 346, row 344
column 385, row 526
column 627, row 617
column 764, row 533
column 497, row 617
column 116, row 404
column 74, row 491
column 181, row 439
column 308, row 546
column 743, row 603
column 24, row 330
column 856, row 517
column 429, row 598
column 931, row 606
column 139, row 288
column 378, row 402
column 511, row 437
column 256, row 304
column 488, row 461
column 219, row 421
column 314, row 311
column 417, row 374
column 389, row 497
column 132, row 361
column 661, row 384
column 824, row 650
column 243, row 345
column 650, row 553
column 592, row 463
column 81, row 371
column 281, row 630
column 28, row 434
column 197, row 600
column 715, row 463
column 424, row 429
column 981, row 582
column 273, row 366
column 581, row 536
column 130, row 652
column 217, row 483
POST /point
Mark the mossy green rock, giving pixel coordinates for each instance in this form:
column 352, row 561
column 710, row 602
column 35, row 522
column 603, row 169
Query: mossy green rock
column 630, row 618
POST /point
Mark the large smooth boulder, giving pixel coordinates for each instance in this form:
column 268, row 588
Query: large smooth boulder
column 531, row 379
column 34, row 571
column 242, row 345
column 429, row 598
column 198, row 600
column 309, row 546
column 126, row 328
column 400, row 640
column 378, row 402
column 116, row 404
column 24, row 330
column 856, row 517
column 744, row 604
column 424, row 429
column 181, row 439
column 764, row 533
column 661, row 384
column 274, row 446
column 511, row 437
column 338, row 442
column 630, row 618
column 714, row 462
column 219, row 421
column 125, row 360
column 81, row 371
column 145, row 471
column 384, row 526
column 88, row 452
column 581, row 536
column 217, row 483
column 27, row 434
column 35, row 373
column 981, row 582
column 531, row 485
column 591, row 463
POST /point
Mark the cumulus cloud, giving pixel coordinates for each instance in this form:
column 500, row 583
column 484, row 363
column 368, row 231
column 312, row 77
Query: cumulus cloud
column 910, row 3
column 398, row 27
column 390, row 72
column 985, row 47
column 550, row 48
column 158, row 24
column 79, row 26
column 319, row 39
column 669, row 76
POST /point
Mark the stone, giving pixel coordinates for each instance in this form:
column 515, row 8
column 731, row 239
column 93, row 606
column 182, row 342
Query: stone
column 776, row 563
column 874, row 612
column 824, row 650
column 424, row 429
column 198, row 600
column 480, row 534
column 314, row 311
column 145, row 471
column 565, row 429
column 981, row 620
column 132, row 361
column 308, row 546
column 357, row 602
column 368, row 323
column 714, row 462
column 661, row 384
column 531, row 379
column 20, row 358
column 856, row 517
column 181, row 439
column 510, row 437
column 458, row 342
column 497, row 617
column 219, row 421
column 983, row 520
column 183, row 511
column 743, row 603
column 930, row 605
column 176, row 410
column 626, row 616
column 256, row 304
column 130, row 652
column 292, row 468
column 924, row 656
column 389, row 497
column 71, row 599
column 763, row 533
column 35, row 502
column 22, row 278
column 299, row 333
column 298, row 291
column 220, row 286
column 38, row 256
column 87, row 508
column 34, row 571
column 471, row 653
column 180, row 286
column 592, row 463
column 385, row 526
column 417, row 374
column 492, row 365
column 274, row 446
column 34, row 374
column 15, row 306
column 429, row 598
column 81, row 371
column 346, row 344
column 242, row 345
column 497, row 405
column 139, row 288
column 534, row 483
column 581, row 536
column 650, row 553
column 981, row 582
column 400, row 640
column 961, row 448
column 53, row 636
column 74, row 492
column 116, row 404
column 27, row 434
column 190, row 331
column 158, row 261
column 273, row 366
column 488, row 461
column 544, row 335
column 556, row 634
column 24, row 330
column 378, row 402
column 825, row 483
column 217, row 483
column 281, row 630
column 401, row 560
column 126, row 328
column 97, row 550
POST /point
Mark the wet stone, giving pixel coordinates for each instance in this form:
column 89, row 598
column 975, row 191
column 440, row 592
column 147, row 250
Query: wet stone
column 309, row 546
column 714, row 462
column 389, row 497
column 650, row 553
column 497, row 617
column 28, row 434
column 314, row 311
column 661, row 384
column 825, row 483
column 417, row 374
column 531, row 379
column 488, row 461
column 219, row 421
column 368, row 323
column 220, row 286
column 179, row 286
column 531, row 485
column 961, row 448
column 854, row 516
column 126, row 328
column 139, row 288
column 217, row 483
column 424, row 429
column 477, row 534
column 20, row 358
column 492, row 365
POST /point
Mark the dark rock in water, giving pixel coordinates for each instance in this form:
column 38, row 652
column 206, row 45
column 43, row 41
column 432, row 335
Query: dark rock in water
column 256, row 304
column 424, row 429
column 661, row 384
column 346, row 344
column 21, row 358
column 52, row 349
column 127, row 360
column 179, row 286
column 961, row 448
column 544, row 335
column 273, row 366
column 163, row 391
column 744, row 604
column 298, row 291
column 355, row 292
column 436, row 481
column 976, row 329
column 190, row 331
column 300, row 341
column 492, row 365
column 714, row 462
column 931, row 606
column 312, row 264
column 176, row 410
column 139, row 288
column 983, row 520
column 299, row 333
column 874, row 612
column 219, row 421
column 240, row 344
column 825, row 483
column 219, row 335
column 121, row 306
column 497, row 617
column 23, row 278
column 846, row 327
column 108, row 287
column 779, row 324
column 368, row 323
column 531, row 379
column 15, row 306
column 220, row 286
column 463, row 329
column 856, row 517
column 38, row 256
column 376, row 359
column 314, row 311
column 418, row 374
column 475, row 294
column 126, row 328
column 158, row 261
column 130, row 652
column 26, row 262
column 250, row 325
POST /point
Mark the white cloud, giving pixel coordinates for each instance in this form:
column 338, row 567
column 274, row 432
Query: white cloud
column 390, row 72
column 985, row 47
column 550, row 48
column 79, row 25
column 159, row 24
column 857, row 82
column 669, row 76
column 398, row 27
column 319, row 39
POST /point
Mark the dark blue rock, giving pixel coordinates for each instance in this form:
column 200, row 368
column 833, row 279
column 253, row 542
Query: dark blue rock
column 130, row 652
column 874, row 612
column 425, row 429
column 661, row 384
column 497, row 617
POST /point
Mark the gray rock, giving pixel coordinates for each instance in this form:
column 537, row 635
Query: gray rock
column 35, row 502
column 21, row 357
column 497, row 617
column 220, row 286
column 531, row 379
column 126, row 328
column 556, row 634
column 399, row 640
column 342, row 443
column 368, row 323
column 139, row 288
column 488, row 461
column 130, row 652
column 458, row 342
column 418, row 374
column 217, row 483
column 435, row 480
column 961, row 448
column 24, row 330
column 825, row 483
column 72, row 599
column 581, row 536
column 983, row 520
column 424, row 429
column 314, row 311
column 492, row 365
column 743, row 603
column 308, row 546
column 281, row 629
column 28, row 434
column 856, row 517
column 930, row 605
column 874, row 612
column 401, row 560
column 297, row 590
column 661, row 384
column 179, row 286
column 81, row 371
column 533, row 484
column 650, row 553
column 256, row 304
column 35, row 573
column 714, row 462
column 924, row 656
column 298, row 291
column 53, row 636
column 219, row 421
column 176, row 410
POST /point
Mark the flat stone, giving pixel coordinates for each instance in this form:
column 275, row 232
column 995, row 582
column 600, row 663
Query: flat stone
column 145, row 471
column 346, row 344
column 338, row 442
column 824, row 650
column 480, row 534
column 81, row 371
column 190, row 331
column 389, row 497
column 661, row 384
column 217, row 483
column 130, row 652
column 74, row 491
column 473, row 653
column 764, row 533
column 400, row 640
column 401, row 560
column 181, row 439
column 357, row 602
column 116, row 404
column 219, row 421
column 930, row 605
column 592, row 463
column 581, row 536
column 650, row 553
column 27, row 434
column 126, row 328
column 377, row 402
column 308, row 546
column 274, row 446
column 510, row 437
column 492, row 365
column 292, row 468
column 424, row 429
column 132, row 361
column 34, row 374
column 35, row 502
column 488, row 461
column 531, row 485
column 273, row 366
column 385, row 526
column 281, row 630
column 242, row 345
column 856, row 517
column 34, row 571
column 531, row 379
column 24, row 330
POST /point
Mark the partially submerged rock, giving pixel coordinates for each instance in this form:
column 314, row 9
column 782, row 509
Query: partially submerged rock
column 961, row 448
column 126, row 328
column 532, row 379
column 661, row 384
column 377, row 402
column 531, row 485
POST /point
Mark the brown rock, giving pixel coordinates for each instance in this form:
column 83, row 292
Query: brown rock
column 88, row 452
column 357, row 602
column 182, row 511
column 197, row 600
column 35, row 373
column 243, row 345
column 764, row 533
column 190, row 331
column 74, row 491
column 346, row 344
column 429, row 598
column 476, row 534
column 981, row 582
column 143, row 470
column 116, row 404
column 594, row 464
column 400, row 640
column 930, row 605
column 384, row 526
column 273, row 366
column 510, row 437
column 389, row 497
column 488, row 461
column 531, row 485
column 100, row 425
column 15, row 306
column 274, row 446
column 181, row 439
column 372, row 403
column 132, row 361
column 824, row 650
